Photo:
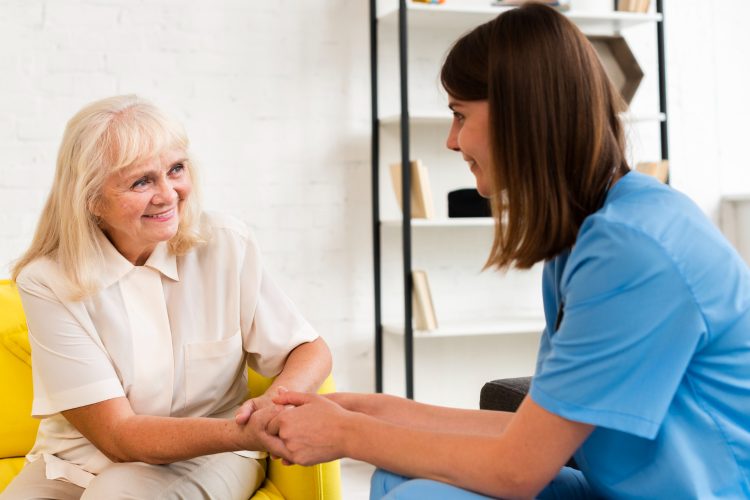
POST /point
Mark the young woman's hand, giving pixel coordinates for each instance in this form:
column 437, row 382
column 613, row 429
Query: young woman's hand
column 312, row 431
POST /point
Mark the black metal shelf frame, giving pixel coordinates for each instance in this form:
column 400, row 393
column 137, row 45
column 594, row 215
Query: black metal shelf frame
column 406, row 180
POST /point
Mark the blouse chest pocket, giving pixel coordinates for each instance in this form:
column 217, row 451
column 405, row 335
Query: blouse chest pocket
column 212, row 369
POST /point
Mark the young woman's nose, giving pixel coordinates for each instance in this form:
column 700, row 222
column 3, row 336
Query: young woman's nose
column 452, row 141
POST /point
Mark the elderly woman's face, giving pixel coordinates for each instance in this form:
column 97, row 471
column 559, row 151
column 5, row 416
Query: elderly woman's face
column 141, row 205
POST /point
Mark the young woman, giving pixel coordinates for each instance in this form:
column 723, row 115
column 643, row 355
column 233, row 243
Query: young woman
column 643, row 372
column 143, row 313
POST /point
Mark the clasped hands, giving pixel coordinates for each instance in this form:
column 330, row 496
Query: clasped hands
column 300, row 428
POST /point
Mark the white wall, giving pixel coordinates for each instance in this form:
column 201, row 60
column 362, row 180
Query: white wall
column 275, row 96
column 708, row 80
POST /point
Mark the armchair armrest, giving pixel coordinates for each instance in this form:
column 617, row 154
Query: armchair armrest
column 504, row 394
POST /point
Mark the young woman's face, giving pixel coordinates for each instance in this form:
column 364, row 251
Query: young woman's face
column 469, row 134
column 141, row 205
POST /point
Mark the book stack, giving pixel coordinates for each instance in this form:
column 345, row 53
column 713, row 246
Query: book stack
column 421, row 194
column 424, row 309
column 633, row 5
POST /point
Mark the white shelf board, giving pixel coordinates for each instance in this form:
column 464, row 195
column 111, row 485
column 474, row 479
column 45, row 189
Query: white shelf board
column 635, row 118
column 441, row 222
column 736, row 198
column 454, row 15
column 509, row 326
column 418, row 118
column 444, row 118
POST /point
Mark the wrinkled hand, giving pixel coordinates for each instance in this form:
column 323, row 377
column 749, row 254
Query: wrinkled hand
column 248, row 407
column 311, row 432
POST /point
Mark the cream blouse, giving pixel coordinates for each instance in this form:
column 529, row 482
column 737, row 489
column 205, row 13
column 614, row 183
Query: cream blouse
column 173, row 336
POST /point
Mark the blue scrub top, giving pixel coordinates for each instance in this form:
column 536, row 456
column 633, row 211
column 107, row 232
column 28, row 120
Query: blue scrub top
column 653, row 348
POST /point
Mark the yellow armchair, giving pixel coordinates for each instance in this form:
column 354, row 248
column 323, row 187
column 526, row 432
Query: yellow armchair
column 18, row 429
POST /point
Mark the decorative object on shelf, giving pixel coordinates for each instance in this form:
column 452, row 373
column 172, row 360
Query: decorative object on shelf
column 558, row 4
column 619, row 62
column 658, row 169
column 468, row 203
column 421, row 195
column 633, row 5
column 424, row 310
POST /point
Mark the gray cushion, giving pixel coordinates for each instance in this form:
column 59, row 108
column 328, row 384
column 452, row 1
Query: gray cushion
column 505, row 394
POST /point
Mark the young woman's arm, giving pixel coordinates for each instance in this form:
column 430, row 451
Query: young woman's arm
column 517, row 463
column 409, row 413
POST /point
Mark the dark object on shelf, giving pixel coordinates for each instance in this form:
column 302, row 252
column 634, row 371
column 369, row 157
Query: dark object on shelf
column 468, row 203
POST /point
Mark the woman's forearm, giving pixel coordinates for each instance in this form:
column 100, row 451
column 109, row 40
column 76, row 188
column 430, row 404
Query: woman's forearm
column 401, row 411
column 514, row 464
column 161, row 440
column 467, row 460
column 306, row 367
column 124, row 436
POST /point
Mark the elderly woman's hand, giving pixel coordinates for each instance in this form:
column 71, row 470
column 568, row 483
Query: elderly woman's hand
column 255, row 435
column 248, row 407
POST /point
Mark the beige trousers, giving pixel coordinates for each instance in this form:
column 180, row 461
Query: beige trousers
column 223, row 476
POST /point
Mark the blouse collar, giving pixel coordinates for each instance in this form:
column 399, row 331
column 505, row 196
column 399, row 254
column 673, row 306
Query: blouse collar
column 116, row 266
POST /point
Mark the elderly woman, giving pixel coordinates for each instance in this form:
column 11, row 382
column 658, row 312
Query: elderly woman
column 143, row 313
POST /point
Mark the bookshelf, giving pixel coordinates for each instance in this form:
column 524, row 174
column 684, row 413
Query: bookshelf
column 410, row 121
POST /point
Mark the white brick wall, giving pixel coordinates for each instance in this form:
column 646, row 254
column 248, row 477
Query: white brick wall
column 275, row 98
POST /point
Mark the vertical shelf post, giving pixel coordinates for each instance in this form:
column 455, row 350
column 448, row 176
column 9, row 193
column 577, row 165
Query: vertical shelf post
column 662, row 81
column 403, row 56
column 375, row 194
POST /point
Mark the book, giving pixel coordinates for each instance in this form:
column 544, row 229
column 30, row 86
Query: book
column 424, row 309
column 421, row 193
column 658, row 169
column 633, row 5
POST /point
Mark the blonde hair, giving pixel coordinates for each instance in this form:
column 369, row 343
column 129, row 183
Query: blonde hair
column 101, row 139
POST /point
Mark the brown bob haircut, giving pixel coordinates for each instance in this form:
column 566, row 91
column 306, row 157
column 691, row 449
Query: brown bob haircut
column 556, row 138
